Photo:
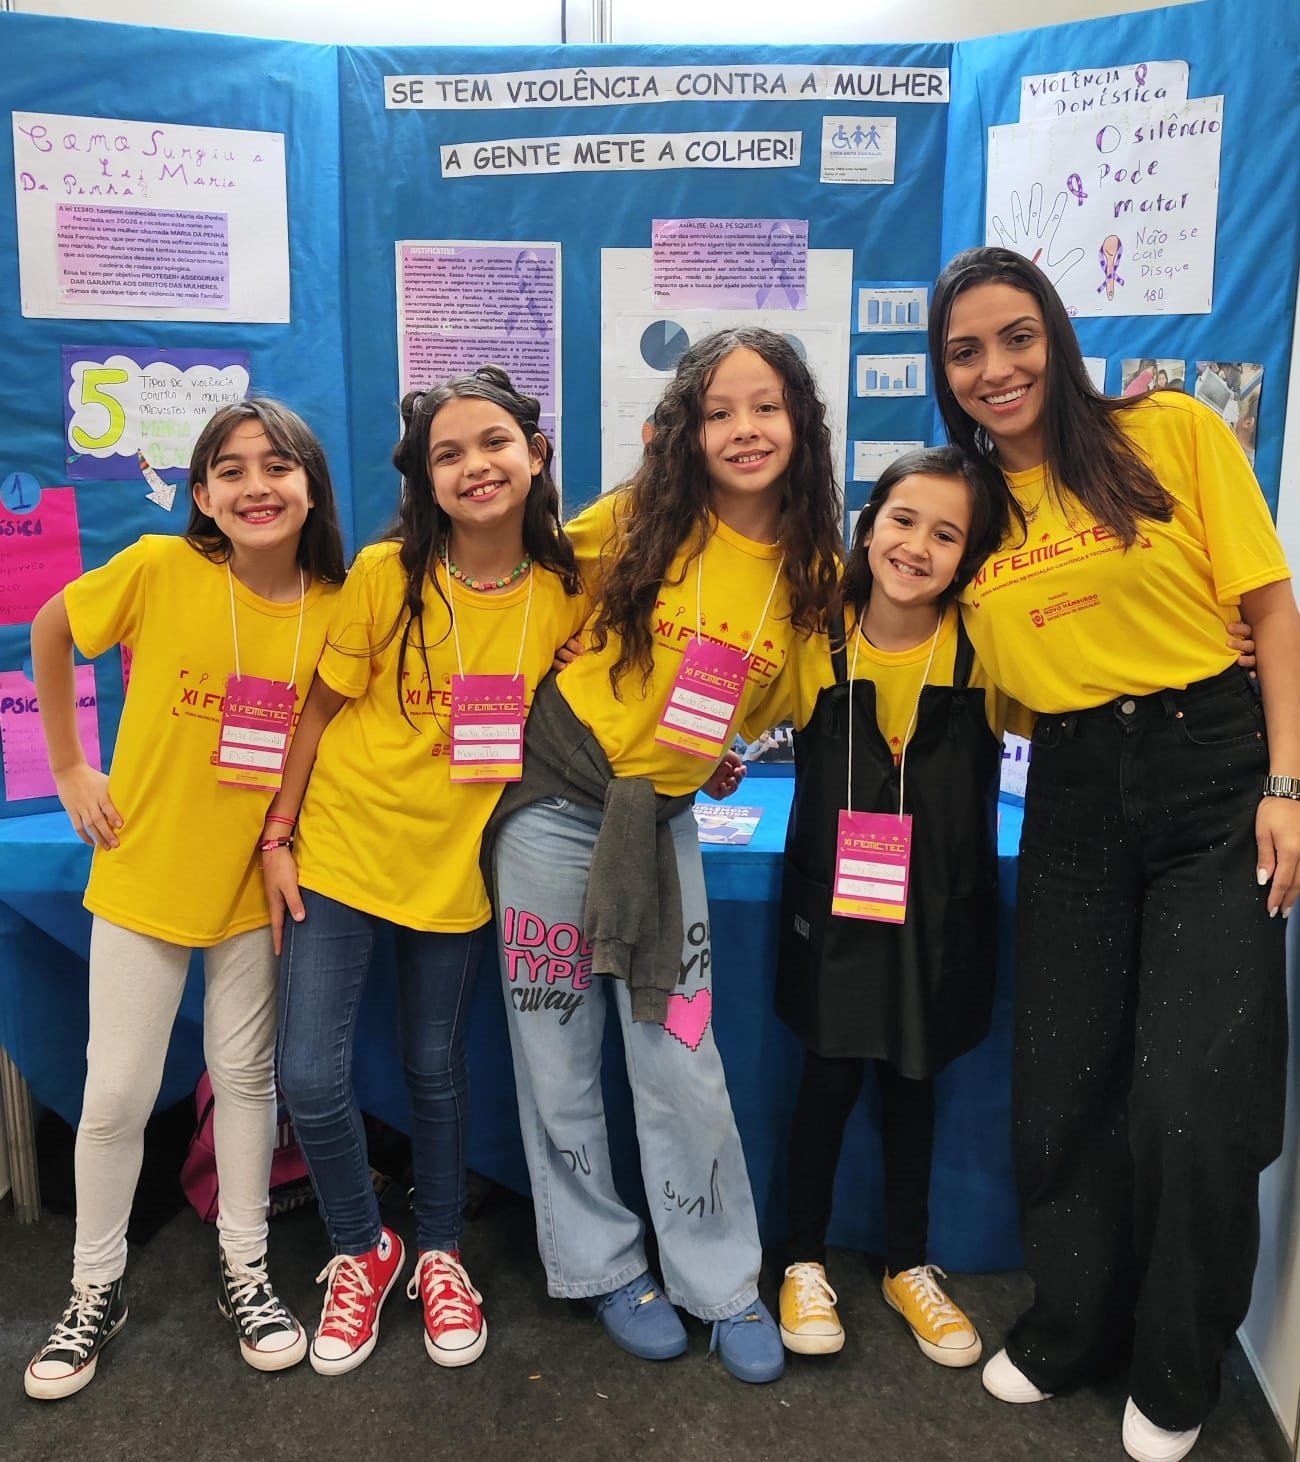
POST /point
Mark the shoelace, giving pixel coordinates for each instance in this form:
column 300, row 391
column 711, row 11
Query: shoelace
column 445, row 1289
column 347, row 1290
column 812, row 1291
column 76, row 1329
column 246, row 1282
column 922, row 1283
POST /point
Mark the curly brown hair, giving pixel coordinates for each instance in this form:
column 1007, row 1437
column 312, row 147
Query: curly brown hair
column 666, row 504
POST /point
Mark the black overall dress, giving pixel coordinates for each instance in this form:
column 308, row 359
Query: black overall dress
column 919, row 993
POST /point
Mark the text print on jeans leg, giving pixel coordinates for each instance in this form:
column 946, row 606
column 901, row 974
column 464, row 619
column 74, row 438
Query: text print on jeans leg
column 697, row 939
column 538, row 956
column 674, row 1201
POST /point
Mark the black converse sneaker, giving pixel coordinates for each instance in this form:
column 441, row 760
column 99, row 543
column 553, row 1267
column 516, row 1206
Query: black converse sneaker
column 270, row 1339
column 67, row 1360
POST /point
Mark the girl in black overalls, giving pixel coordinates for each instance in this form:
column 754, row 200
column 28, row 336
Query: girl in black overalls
column 921, row 724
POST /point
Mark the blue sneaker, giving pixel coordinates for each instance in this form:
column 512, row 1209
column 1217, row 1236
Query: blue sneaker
column 750, row 1344
column 639, row 1318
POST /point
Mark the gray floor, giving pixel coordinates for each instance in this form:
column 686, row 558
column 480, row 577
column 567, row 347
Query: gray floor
column 550, row 1385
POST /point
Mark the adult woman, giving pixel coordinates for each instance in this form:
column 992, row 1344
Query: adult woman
column 1151, row 1034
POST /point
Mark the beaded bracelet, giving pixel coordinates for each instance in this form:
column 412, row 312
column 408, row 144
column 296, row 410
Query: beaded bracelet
column 271, row 844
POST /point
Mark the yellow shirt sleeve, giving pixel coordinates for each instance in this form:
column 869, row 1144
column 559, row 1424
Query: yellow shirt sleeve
column 106, row 605
column 365, row 612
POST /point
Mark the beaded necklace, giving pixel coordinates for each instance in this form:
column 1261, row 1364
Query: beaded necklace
column 485, row 586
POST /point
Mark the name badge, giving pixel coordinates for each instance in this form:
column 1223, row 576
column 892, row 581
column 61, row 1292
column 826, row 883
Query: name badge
column 872, row 852
column 487, row 728
column 256, row 724
column 702, row 702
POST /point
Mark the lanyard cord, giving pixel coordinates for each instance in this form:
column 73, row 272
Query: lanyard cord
column 858, row 637
column 451, row 604
column 767, row 603
column 297, row 643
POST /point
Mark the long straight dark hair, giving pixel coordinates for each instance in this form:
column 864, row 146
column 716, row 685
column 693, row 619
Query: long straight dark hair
column 667, row 500
column 1087, row 453
column 320, row 544
column 422, row 528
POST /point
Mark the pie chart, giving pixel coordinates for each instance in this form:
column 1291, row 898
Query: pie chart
column 662, row 344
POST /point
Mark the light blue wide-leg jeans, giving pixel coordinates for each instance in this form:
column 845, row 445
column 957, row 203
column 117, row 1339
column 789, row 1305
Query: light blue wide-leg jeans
column 696, row 1183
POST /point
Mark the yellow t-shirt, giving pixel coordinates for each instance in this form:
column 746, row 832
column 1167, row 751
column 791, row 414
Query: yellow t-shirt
column 738, row 574
column 186, row 868
column 382, row 827
column 1070, row 619
column 898, row 679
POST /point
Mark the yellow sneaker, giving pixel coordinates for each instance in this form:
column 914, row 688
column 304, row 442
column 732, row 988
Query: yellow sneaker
column 809, row 1324
column 941, row 1330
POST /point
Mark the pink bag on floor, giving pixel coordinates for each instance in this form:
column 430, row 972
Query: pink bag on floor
column 290, row 1180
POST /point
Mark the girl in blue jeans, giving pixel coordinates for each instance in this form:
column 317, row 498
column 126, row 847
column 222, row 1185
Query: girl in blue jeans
column 378, row 823
column 707, row 566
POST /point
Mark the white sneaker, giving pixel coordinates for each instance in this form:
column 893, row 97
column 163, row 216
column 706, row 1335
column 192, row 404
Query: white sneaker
column 1004, row 1379
column 1144, row 1441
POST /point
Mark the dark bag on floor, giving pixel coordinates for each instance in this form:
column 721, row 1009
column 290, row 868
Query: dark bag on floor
column 290, row 1180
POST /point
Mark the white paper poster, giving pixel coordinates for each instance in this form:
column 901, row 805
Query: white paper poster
column 126, row 220
column 641, row 344
column 1092, row 89
column 1119, row 208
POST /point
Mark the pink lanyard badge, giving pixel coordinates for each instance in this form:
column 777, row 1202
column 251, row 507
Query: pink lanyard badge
column 705, row 694
column 873, row 850
column 487, row 713
column 257, row 716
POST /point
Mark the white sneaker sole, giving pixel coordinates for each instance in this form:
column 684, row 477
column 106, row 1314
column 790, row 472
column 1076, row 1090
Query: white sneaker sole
column 275, row 1360
column 55, row 1388
column 802, row 1344
column 462, row 1357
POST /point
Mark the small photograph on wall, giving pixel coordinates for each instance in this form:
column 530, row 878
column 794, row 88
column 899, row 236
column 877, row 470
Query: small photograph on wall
column 1137, row 377
column 774, row 749
column 1233, row 388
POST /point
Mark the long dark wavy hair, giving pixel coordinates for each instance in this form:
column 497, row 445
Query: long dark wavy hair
column 422, row 527
column 987, row 515
column 667, row 501
column 320, row 545
column 1086, row 452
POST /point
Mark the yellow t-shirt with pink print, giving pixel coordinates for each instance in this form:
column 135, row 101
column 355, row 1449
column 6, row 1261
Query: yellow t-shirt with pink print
column 1069, row 618
column 734, row 593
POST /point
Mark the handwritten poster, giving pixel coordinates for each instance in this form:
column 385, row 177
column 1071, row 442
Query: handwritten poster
column 40, row 551
column 26, row 768
column 121, row 220
column 730, row 263
column 1119, row 207
column 1092, row 89
column 122, row 399
column 461, row 303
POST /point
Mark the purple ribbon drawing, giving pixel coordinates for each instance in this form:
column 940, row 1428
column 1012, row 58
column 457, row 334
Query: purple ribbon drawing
column 1141, row 73
column 1074, row 183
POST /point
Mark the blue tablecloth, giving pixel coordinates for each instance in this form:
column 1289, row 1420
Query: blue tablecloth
column 45, row 933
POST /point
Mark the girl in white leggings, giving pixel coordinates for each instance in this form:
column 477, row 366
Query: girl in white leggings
column 225, row 625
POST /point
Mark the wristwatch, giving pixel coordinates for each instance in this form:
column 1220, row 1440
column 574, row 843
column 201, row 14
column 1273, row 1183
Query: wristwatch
column 1282, row 787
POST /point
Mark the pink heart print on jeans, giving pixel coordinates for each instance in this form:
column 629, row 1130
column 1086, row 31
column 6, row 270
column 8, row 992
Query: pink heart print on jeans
column 688, row 1017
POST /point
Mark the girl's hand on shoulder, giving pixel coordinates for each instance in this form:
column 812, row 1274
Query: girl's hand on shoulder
column 84, row 794
column 567, row 653
column 1241, row 638
column 727, row 776
column 1277, row 833
column 280, row 875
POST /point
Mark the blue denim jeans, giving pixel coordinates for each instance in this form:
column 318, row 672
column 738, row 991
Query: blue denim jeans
column 322, row 973
column 694, row 1170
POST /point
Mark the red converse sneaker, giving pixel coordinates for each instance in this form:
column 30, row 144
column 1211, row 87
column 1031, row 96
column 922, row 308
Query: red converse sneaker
column 455, row 1331
column 356, row 1286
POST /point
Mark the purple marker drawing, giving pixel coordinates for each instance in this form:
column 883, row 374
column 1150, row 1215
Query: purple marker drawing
column 1110, row 253
column 1141, row 73
column 1074, row 183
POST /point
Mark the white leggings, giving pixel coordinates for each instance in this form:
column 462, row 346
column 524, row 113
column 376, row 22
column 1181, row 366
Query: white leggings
column 136, row 983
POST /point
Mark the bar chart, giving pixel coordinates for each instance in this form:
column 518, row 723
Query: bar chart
column 893, row 308
column 891, row 375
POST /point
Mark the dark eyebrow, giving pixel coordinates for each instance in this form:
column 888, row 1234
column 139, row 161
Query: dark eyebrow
column 1002, row 330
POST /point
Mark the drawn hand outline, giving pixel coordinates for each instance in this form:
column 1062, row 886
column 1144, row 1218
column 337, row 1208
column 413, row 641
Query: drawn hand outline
column 1033, row 237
